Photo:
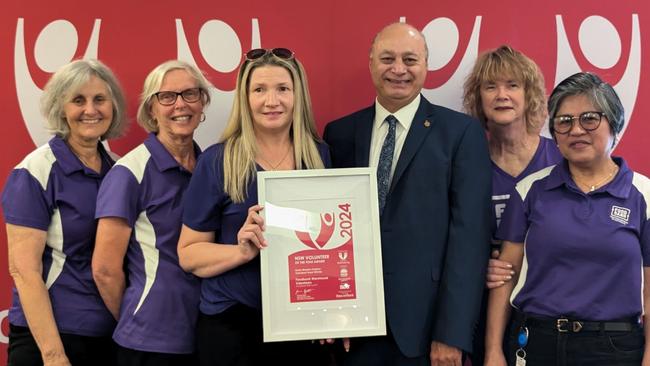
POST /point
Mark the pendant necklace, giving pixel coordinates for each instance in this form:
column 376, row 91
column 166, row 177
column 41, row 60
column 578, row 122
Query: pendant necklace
column 274, row 167
column 592, row 187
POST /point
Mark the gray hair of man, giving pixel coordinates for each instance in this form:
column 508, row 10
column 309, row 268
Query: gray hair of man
column 601, row 94
column 66, row 82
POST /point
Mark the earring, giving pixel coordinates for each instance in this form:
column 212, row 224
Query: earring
column 202, row 117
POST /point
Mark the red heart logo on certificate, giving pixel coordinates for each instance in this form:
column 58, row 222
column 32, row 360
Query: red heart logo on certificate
column 326, row 230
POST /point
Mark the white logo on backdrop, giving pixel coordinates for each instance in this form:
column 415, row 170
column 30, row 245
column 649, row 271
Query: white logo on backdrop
column 601, row 45
column 55, row 46
column 442, row 40
column 4, row 338
column 220, row 47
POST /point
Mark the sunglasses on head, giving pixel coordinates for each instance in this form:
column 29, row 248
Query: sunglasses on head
column 282, row 53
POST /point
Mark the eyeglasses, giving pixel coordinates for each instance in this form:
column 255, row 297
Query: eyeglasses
column 589, row 121
column 169, row 97
column 282, row 53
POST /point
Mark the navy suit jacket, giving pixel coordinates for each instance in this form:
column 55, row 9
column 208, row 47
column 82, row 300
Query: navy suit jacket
column 435, row 228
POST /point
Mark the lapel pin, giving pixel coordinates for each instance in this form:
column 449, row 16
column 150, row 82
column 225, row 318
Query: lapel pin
column 427, row 124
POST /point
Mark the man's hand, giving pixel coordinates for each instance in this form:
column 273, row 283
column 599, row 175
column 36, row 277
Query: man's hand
column 346, row 343
column 444, row 355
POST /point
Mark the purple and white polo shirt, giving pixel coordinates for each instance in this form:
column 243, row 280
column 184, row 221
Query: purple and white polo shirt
column 583, row 253
column 160, row 305
column 51, row 190
column 547, row 154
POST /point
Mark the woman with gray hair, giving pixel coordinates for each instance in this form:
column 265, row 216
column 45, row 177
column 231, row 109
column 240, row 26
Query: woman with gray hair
column 271, row 127
column 139, row 211
column 57, row 316
column 578, row 237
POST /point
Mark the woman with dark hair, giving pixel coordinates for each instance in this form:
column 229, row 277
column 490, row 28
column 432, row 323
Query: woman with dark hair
column 578, row 237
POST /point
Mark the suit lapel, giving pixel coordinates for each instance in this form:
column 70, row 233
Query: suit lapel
column 420, row 127
column 362, row 136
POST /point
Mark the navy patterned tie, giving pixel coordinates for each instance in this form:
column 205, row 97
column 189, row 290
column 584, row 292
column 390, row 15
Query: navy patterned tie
column 386, row 162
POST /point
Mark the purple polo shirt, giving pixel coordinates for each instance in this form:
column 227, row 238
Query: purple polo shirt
column 547, row 154
column 584, row 253
column 160, row 305
column 51, row 190
column 209, row 209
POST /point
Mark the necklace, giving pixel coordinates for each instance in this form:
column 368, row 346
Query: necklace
column 81, row 158
column 592, row 187
column 274, row 167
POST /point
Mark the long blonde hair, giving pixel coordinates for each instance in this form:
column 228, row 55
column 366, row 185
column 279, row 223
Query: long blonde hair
column 240, row 147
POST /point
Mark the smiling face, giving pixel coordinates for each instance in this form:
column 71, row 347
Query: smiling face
column 271, row 97
column 580, row 147
column 398, row 65
column 503, row 102
column 181, row 118
column 89, row 111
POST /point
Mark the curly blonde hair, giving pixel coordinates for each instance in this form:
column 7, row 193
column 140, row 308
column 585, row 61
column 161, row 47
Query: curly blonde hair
column 507, row 62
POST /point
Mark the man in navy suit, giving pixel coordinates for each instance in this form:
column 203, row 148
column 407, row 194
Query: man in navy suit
column 435, row 211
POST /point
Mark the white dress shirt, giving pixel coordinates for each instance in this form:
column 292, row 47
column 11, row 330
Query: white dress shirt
column 380, row 129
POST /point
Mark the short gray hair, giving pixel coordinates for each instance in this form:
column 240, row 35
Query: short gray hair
column 152, row 84
column 601, row 94
column 66, row 82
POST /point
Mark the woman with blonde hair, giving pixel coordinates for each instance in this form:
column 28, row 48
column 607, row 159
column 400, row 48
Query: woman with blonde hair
column 506, row 92
column 139, row 211
column 271, row 127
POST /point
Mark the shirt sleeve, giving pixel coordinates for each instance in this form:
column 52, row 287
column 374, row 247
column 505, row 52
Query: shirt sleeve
column 644, row 237
column 514, row 222
column 25, row 202
column 118, row 195
column 645, row 243
column 202, row 201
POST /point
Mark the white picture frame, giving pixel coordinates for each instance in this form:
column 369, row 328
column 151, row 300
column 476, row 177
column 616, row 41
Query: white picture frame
column 321, row 273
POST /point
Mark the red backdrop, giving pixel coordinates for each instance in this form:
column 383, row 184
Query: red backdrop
column 330, row 37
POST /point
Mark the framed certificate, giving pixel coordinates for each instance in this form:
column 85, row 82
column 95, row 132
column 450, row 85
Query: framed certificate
column 321, row 272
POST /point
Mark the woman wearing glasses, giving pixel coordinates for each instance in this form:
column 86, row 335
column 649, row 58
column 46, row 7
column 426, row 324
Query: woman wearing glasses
column 139, row 210
column 271, row 127
column 578, row 236
column 505, row 91
column 57, row 316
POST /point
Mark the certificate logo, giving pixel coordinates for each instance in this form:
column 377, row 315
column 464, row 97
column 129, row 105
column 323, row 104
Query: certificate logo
column 327, row 222
column 325, row 270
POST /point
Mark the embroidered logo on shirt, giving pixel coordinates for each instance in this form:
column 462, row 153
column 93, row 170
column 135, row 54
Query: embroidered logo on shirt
column 620, row 214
